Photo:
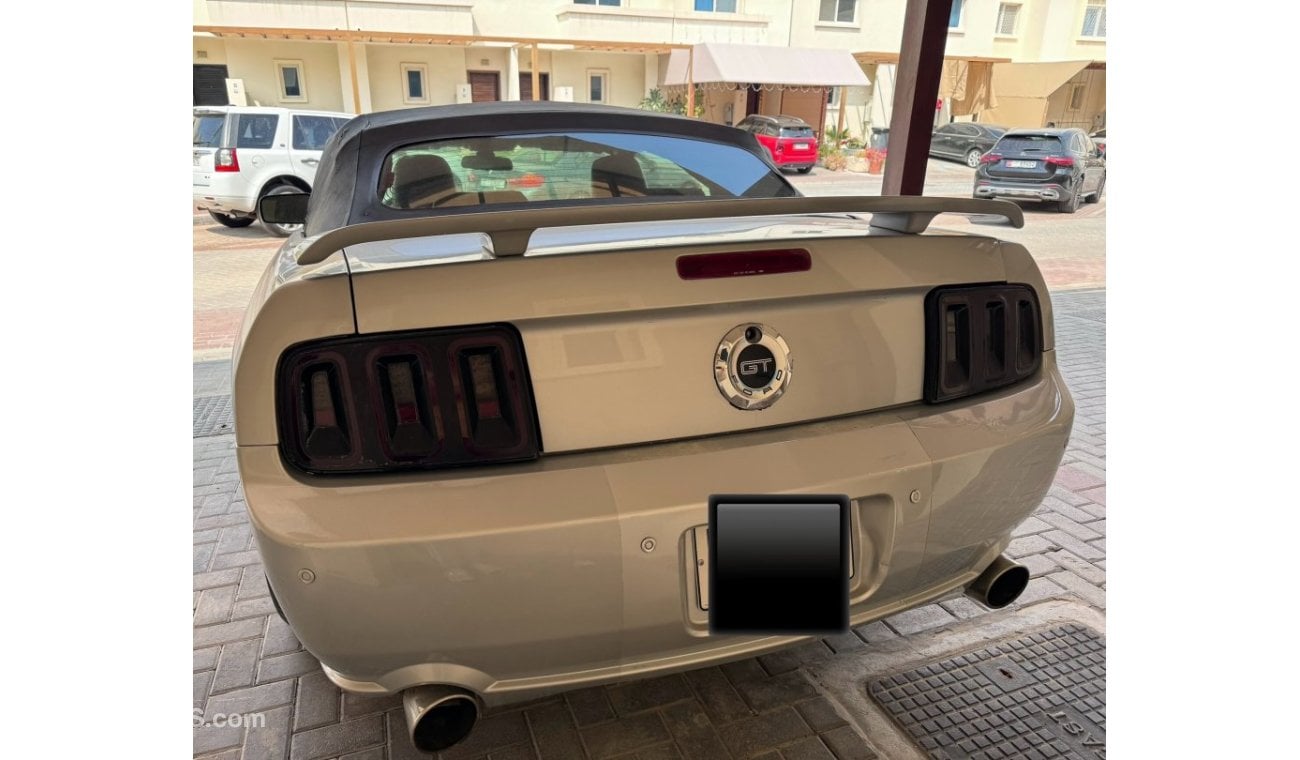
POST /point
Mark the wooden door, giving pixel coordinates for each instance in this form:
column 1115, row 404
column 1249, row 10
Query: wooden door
column 526, row 85
column 485, row 86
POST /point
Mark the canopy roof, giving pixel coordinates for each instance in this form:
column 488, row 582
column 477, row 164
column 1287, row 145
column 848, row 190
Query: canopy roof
column 766, row 64
column 1034, row 80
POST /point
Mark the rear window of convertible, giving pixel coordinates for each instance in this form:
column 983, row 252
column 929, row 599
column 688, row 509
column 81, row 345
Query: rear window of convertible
column 570, row 167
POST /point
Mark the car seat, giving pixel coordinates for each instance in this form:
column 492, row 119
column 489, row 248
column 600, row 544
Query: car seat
column 423, row 181
column 617, row 176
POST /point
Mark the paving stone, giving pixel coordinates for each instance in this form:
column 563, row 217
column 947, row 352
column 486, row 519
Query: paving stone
column 964, row 608
column 356, row 705
column 206, row 658
column 845, row 744
column 658, row 752
column 875, row 632
column 820, row 714
column 624, row 735
column 589, row 706
column 374, row 753
column 1097, row 494
column 693, row 731
column 260, row 607
column 214, row 605
column 492, row 732
column 203, row 556
column 637, row 696
column 751, row 736
column 211, row 738
column 783, row 689
column 230, row 754
column 1071, row 582
column 920, row 619
column 250, row 700
column 1082, row 549
column 844, row 642
column 270, row 739
column 340, row 738
column 743, row 670
column 202, row 681
column 318, row 702
column 236, row 665
column 253, row 583
column 522, row 751
column 554, row 732
column 718, row 696
column 1082, row 568
column 237, row 559
column 279, row 637
column 1026, row 545
column 223, row 632
column 1071, row 527
column 399, row 745
column 1029, row 527
column 286, row 666
column 1040, row 564
column 228, row 577
column 810, row 748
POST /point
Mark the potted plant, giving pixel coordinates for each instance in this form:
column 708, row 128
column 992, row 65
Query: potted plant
column 875, row 160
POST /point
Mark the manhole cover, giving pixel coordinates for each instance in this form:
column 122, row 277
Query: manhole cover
column 1041, row 696
column 213, row 416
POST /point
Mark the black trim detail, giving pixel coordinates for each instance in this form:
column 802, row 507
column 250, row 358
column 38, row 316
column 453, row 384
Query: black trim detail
column 980, row 337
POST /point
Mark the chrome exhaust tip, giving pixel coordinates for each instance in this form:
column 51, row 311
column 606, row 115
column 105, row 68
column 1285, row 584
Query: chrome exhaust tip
column 439, row 716
column 1000, row 583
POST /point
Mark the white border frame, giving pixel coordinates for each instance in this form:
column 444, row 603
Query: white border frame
column 280, row 65
column 423, row 68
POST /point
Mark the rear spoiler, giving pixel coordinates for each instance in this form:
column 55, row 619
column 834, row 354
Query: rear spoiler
column 511, row 230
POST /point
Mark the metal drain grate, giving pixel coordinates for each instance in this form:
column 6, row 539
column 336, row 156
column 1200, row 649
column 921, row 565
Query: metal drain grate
column 1041, row 696
column 213, row 416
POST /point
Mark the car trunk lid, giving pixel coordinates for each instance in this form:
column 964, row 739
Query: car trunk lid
column 798, row 142
column 209, row 132
column 621, row 348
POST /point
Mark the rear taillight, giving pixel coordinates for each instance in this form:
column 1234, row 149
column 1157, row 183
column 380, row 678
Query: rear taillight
column 979, row 338
column 226, row 160
column 990, row 158
column 1060, row 161
column 407, row 401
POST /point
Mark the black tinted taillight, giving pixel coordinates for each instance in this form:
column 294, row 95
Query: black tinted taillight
column 416, row 400
column 979, row 338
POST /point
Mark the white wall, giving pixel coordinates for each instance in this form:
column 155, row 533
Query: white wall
column 254, row 62
column 445, row 66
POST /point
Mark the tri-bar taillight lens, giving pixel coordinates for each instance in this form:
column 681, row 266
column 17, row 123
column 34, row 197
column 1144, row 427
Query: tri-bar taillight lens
column 407, row 401
column 979, row 338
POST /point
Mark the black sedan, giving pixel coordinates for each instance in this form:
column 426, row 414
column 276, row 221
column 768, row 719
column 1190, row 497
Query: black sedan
column 965, row 141
column 1060, row 166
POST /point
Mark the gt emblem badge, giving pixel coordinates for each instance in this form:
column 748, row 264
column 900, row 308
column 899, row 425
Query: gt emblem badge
column 752, row 366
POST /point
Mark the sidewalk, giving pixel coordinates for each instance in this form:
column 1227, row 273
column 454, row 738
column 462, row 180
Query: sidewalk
column 807, row 702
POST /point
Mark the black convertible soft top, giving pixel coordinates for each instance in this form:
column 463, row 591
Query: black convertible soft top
column 347, row 180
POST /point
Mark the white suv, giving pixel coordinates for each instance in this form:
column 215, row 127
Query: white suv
column 243, row 153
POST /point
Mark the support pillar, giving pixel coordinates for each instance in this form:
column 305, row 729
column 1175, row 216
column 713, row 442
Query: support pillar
column 920, row 67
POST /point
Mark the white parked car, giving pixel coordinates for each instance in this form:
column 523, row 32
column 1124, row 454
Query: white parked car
column 243, row 153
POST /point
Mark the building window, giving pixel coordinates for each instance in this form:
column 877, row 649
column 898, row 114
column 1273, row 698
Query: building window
column 1008, row 16
column 1076, row 97
column 1094, row 19
column 954, row 16
column 716, row 6
column 843, row 11
column 597, row 86
column 414, row 83
column 293, row 88
column 612, row 3
column 832, row 97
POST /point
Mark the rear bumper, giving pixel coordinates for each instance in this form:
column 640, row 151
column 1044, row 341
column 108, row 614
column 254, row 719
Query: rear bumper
column 207, row 199
column 992, row 188
column 519, row 581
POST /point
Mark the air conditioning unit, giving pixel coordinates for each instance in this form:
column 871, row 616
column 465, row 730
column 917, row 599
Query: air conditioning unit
column 235, row 93
column 464, row 93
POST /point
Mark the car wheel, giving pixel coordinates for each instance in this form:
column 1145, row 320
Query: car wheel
column 282, row 230
column 1100, row 187
column 973, row 158
column 805, row 170
column 1071, row 204
column 232, row 221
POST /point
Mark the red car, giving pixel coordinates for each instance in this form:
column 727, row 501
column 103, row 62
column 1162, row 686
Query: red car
column 789, row 140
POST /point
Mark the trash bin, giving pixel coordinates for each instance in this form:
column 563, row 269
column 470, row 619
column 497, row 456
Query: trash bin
column 880, row 137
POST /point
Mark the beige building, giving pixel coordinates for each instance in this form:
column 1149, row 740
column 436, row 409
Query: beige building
column 373, row 55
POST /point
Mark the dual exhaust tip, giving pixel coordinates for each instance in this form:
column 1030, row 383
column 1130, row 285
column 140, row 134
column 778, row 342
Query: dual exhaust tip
column 438, row 717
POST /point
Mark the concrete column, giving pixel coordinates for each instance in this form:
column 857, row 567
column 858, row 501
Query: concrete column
column 363, row 77
column 512, row 75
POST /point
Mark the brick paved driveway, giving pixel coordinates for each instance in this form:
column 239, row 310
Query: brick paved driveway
column 246, row 660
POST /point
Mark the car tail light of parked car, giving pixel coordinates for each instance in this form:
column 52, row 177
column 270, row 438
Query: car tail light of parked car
column 1059, row 161
column 227, row 160
column 980, row 338
column 990, row 158
column 400, row 401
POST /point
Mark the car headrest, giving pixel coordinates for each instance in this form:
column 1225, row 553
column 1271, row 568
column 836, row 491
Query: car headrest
column 416, row 177
column 617, row 175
